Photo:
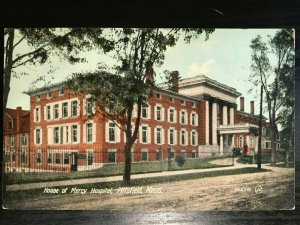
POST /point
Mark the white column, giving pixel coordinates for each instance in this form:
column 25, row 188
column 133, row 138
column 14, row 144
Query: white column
column 231, row 115
column 221, row 144
column 214, row 123
column 225, row 122
column 207, row 123
column 256, row 144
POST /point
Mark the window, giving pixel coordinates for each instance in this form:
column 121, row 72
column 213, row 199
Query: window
column 65, row 109
column 268, row 144
column 74, row 108
column 74, row 133
column 111, row 132
column 158, row 135
column 10, row 125
column 158, row 113
column 11, row 140
column 90, row 158
column 171, row 99
column 67, row 134
column 241, row 141
column 89, row 133
column 112, row 157
column 277, row 146
column 23, row 157
column 183, row 141
column 57, row 158
column 14, row 157
column 66, row 158
column 183, row 115
column 55, row 111
column 193, row 155
column 182, row 102
column 37, row 97
column 38, row 157
column 171, row 115
column 38, row 136
column 144, row 156
column 144, row 135
column 61, row 91
column 193, row 105
column 144, row 112
column 89, row 106
column 37, row 114
column 23, row 140
column 61, row 135
column 49, row 94
column 193, row 137
column 172, row 137
column 49, row 157
column 48, row 112
column 56, row 135
column 193, row 119
column 7, row 157
column 157, row 95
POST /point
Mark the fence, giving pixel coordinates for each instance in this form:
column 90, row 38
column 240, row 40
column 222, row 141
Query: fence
column 32, row 165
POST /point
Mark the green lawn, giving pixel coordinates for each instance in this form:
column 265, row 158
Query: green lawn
column 117, row 169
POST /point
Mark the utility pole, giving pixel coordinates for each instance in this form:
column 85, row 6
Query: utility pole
column 260, row 130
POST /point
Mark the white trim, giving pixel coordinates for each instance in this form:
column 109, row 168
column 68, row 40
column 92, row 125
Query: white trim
column 174, row 115
column 207, row 122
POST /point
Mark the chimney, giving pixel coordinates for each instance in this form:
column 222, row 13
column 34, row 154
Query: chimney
column 18, row 118
column 242, row 104
column 175, row 81
column 252, row 107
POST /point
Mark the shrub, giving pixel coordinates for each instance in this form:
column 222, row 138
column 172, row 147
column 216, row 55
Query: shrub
column 180, row 160
column 236, row 151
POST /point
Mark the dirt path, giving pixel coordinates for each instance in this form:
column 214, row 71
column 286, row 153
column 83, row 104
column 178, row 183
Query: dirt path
column 260, row 191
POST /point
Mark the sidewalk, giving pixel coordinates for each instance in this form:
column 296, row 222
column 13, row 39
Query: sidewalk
column 16, row 187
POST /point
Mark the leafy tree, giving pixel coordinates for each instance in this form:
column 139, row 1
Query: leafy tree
column 273, row 68
column 35, row 46
column 118, row 94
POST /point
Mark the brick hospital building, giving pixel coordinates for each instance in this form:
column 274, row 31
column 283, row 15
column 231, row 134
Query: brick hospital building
column 198, row 119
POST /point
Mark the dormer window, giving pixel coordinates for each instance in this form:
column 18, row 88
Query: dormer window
column 182, row 102
column 37, row 97
column 49, row 94
column 157, row 95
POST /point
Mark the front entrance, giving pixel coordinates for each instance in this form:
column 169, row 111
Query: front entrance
column 74, row 161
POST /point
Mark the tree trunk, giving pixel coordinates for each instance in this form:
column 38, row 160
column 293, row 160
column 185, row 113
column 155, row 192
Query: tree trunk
column 127, row 169
column 273, row 151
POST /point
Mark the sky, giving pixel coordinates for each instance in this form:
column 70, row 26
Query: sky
column 224, row 57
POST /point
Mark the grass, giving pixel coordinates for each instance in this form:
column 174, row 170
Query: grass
column 115, row 169
column 15, row 197
column 266, row 158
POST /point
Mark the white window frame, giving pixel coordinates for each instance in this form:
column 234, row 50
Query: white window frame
column 196, row 137
column 174, row 136
column 64, row 106
column 144, row 150
column 195, row 117
column 185, row 117
column 37, row 114
column 40, row 135
column 112, row 151
column 174, row 115
column 185, row 137
column 22, row 138
column 161, row 112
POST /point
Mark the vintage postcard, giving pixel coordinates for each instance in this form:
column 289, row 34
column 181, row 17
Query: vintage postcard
column 152, row 120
